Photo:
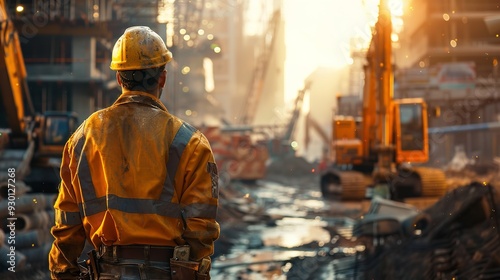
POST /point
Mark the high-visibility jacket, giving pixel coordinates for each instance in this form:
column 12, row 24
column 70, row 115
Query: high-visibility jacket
column 135, row 174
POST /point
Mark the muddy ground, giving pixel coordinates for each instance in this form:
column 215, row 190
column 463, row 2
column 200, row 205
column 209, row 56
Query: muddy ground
column 281, row 227
column 328, row 258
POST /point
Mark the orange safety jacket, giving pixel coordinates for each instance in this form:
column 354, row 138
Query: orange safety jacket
column 135, row 174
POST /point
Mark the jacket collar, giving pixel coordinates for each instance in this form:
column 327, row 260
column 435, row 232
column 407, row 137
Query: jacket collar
column 140, row 97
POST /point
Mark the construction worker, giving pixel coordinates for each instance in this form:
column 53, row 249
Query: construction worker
column 139, row 184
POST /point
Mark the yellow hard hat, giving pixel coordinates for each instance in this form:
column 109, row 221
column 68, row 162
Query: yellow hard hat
column 139, row 48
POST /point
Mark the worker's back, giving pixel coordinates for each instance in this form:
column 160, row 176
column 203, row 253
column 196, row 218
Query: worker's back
column 126, row 148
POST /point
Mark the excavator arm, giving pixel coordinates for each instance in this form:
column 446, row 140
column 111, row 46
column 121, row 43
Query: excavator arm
column 15, row 99
column 28, row 141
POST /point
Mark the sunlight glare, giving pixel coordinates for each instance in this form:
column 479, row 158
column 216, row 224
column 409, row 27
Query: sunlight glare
column 325, row 33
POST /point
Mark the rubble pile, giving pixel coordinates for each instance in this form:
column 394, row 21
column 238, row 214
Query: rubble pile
column 457, row 239
column 478, row 172
column 290, row 165
column 463, row 170
column 293, row 171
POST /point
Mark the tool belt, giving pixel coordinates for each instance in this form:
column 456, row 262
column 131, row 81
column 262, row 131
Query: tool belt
column 115, row 254
column 137, row 252
column 178, row 259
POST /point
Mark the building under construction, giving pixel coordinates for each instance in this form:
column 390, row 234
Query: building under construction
column 449, row 56
column 447, row 52
column 222, row 50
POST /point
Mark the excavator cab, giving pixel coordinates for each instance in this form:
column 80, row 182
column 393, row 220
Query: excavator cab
column 50, row 133
column 55, row 129
column 411, row 130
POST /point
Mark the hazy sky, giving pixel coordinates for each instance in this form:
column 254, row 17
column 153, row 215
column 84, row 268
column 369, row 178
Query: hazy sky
column 317, row 34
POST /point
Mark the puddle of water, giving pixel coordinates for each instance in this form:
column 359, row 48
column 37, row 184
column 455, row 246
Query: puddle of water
column 294, row 232
column 286, row 211
column 258, row 257
column 300, row 229
column 256, row 264
column 310, row 204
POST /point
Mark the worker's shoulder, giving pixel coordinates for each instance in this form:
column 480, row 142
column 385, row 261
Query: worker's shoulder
column 181, row 125
column 98, row 113
column 186, row 128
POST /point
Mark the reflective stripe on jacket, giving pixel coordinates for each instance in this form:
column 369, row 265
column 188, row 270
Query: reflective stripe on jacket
column 135, row 174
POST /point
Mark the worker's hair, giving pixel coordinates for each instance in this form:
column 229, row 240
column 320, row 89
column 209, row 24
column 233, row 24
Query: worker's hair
column 141, row 80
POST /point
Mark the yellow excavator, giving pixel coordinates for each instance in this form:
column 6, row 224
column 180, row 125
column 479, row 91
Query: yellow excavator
column 30, row 143
column 380, row 155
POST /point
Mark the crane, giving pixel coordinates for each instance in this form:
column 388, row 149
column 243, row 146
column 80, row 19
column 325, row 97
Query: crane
column 292, row 123
column 259, row 74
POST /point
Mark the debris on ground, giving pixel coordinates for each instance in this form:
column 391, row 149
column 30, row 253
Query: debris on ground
column 459, row 160
column 487, row 172
column 293, row 171
column 458, row 239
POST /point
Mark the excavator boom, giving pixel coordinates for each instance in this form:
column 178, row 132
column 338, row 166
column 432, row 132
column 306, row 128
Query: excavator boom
column 28, row 141
column 13, row 86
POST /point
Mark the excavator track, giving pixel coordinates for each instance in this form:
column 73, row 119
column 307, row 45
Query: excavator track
column 415, row 183
column 433, row 186
column 345, row 185
column 433, row 181
column 419, row 186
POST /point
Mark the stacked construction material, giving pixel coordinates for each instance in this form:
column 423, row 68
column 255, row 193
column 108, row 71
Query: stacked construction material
column 26, row 222
column 238, row 155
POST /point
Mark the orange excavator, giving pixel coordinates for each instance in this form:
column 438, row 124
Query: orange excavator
column 29, row 142
column 382, row 157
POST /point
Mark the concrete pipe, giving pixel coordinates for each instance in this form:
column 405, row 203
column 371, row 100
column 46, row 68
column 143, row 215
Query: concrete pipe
column 416, row 225
column 26, row 203
column 11, row 259
column 17, row 189
column 37, row 254
column 32, row 238
column 34, row 220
